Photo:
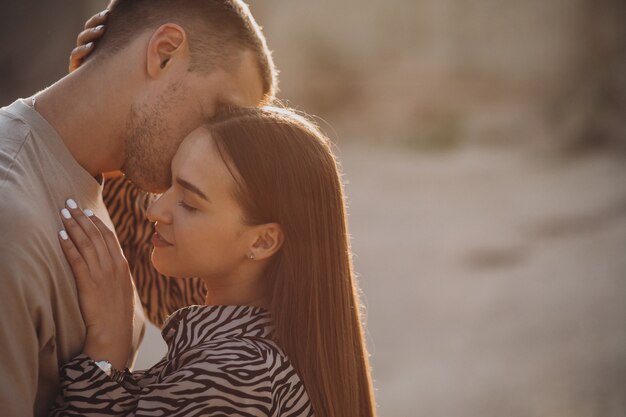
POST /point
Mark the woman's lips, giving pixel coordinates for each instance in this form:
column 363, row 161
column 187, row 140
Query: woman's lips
column 159, row 242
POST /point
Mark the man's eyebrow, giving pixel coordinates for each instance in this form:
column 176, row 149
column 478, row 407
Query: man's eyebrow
column 189, row 186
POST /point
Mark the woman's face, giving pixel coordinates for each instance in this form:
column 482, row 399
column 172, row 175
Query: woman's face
column 200, row 230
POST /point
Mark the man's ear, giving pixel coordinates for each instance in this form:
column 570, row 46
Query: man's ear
column 269, row 239
column 167, row 43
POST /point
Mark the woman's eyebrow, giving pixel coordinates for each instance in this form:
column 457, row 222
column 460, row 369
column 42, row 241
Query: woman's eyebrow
column 189, row 186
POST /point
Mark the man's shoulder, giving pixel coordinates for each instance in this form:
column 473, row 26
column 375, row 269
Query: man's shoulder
column 14, row 134
column 13, row 130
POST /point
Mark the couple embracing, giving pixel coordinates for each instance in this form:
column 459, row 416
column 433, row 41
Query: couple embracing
column 156, row 180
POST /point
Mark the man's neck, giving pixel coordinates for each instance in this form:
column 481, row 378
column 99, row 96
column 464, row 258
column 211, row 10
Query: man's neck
column 89, row 110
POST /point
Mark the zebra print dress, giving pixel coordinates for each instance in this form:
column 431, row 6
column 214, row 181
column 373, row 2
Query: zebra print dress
column 220, row 361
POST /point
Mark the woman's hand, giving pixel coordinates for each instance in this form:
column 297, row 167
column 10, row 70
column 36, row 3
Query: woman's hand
column 104, row 284
column 85, row 42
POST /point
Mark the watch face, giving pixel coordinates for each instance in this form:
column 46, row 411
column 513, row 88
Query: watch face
column 105, row 366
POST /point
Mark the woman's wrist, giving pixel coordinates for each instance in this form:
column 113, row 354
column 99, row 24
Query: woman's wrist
column 116, row 375
column 108, row 349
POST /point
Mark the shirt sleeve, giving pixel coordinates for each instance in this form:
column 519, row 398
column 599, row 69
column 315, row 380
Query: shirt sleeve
column 207, row 388
column 87, row 391
column 160, row 295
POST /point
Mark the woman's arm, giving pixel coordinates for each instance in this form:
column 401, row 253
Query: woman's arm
column 106, row 298
column 211, row 384
column 85, row 390
column 103, row 283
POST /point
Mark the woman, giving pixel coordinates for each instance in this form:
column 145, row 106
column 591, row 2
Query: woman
column 256, row 211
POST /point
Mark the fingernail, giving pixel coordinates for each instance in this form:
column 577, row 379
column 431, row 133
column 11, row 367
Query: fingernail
column 71, row 203
column 104, row 12
column 88, row 212
column 63, row 234
column 66, row 213
column 99, row 27
column 89, row 45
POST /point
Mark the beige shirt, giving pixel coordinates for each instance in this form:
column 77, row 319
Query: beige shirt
column 41, row 326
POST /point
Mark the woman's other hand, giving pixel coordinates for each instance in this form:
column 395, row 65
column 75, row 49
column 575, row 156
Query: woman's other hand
column 104, row 284
column 85, row 41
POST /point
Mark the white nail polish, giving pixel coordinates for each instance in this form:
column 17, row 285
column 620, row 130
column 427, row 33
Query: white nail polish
column 99, row 27
column 63, row 234
column 88, row 212
column 66, row 213
column 71, row 203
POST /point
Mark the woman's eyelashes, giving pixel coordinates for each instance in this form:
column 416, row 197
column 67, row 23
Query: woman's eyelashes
column 186, row 206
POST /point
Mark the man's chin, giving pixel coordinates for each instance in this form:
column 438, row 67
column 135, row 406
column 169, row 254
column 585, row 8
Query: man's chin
column 153, row 188
column 150, row 185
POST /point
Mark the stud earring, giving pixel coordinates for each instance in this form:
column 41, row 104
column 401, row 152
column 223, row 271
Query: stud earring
column 251, row 256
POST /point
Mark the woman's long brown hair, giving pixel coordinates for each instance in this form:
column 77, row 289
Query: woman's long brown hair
column 287, row 174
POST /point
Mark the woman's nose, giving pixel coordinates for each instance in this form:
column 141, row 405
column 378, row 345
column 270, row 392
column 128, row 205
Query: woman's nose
column 160, row 211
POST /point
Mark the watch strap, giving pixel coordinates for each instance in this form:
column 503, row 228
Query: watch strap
column 115, row 374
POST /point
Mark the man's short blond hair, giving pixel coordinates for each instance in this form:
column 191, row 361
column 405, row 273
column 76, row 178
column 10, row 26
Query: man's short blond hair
column 216, row 30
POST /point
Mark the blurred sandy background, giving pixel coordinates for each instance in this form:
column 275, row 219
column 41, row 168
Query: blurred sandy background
column 484, row 150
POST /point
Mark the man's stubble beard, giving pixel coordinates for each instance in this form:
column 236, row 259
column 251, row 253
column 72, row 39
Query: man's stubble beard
column 148, row 151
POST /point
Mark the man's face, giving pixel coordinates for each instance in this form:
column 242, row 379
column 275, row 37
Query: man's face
column 158, row 124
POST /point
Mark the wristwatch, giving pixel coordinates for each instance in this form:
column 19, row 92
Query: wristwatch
column 115, row 374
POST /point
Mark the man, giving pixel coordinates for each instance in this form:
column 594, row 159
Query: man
column 160, row 70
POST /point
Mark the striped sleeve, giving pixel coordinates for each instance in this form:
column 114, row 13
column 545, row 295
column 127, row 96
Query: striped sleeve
column 220, row 386
column 87, row 391
column 159, row 294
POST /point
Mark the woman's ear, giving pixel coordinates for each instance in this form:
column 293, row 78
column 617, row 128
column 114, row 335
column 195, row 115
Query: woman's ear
column 167, row 42
column 269, row 239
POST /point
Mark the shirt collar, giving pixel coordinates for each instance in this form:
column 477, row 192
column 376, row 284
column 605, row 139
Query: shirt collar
column 196, row 324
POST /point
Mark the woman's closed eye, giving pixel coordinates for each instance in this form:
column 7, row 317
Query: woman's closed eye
column 186, row 206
